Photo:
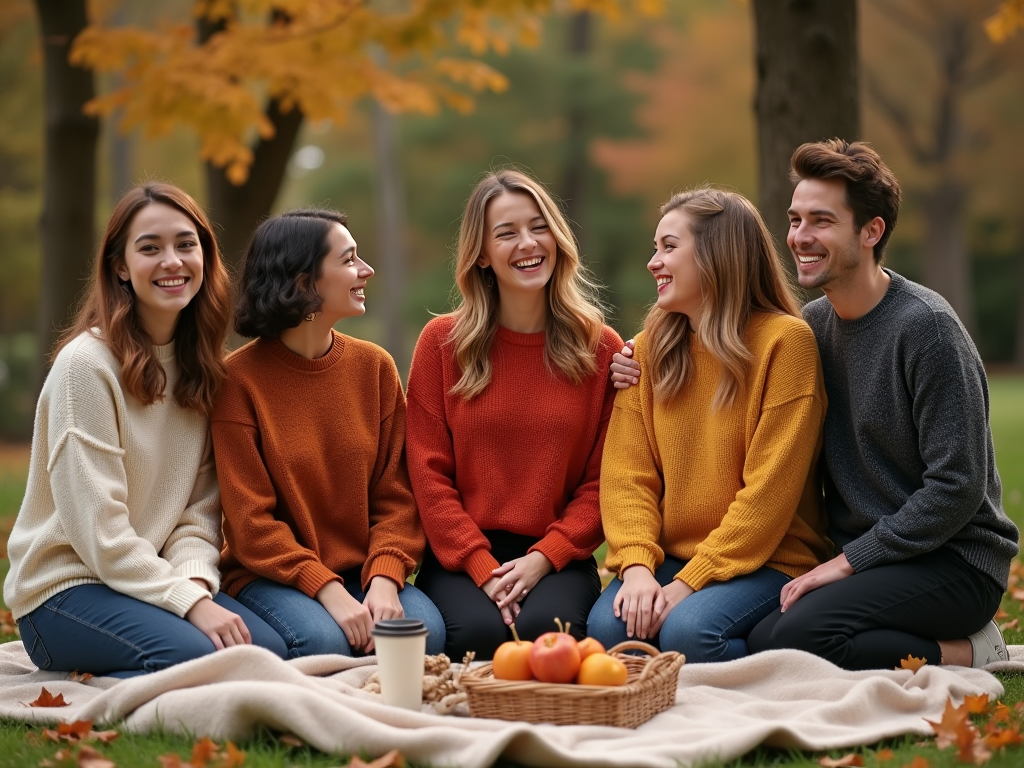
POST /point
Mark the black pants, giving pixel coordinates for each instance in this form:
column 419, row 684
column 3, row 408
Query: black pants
column 472, row 620
column 874, row 618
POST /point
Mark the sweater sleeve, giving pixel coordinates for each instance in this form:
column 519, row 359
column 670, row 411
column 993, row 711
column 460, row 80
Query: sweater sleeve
column 396, row 537
column 631, row 479
column 950, row 411
column 782, row 449
column 90, row 490
column 193, row 548
column 455, row 538
column 577, row 533
column 259, row 541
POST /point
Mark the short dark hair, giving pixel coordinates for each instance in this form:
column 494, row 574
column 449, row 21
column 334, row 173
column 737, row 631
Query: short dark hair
column 871, row 187
column 283, row 261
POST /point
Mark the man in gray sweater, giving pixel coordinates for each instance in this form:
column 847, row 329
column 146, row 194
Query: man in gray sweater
column 910, row 483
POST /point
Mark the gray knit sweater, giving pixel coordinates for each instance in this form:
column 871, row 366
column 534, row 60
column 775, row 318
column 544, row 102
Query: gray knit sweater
column 908, row 458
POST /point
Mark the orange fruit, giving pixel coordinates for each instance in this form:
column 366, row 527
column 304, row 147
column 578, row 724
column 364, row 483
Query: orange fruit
column 602, row 669
column 589, row 645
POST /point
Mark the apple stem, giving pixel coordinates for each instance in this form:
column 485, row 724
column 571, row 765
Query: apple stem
column 563, row 627
column 515, row 634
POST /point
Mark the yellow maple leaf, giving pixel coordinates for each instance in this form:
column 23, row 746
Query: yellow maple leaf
column 913, row 663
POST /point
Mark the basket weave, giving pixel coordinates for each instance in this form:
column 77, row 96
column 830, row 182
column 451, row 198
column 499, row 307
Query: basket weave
column 649, row 689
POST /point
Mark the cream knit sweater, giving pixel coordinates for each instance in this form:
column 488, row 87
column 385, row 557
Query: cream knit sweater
column 118, row 493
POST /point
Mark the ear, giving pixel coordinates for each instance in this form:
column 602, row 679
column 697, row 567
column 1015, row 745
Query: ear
column 872, row 232
column 483, row 260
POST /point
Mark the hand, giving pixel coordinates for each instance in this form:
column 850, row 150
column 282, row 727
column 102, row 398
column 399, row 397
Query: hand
column 353, row 617
column 674, row 594
column 624, row 370
column 509, row 612
column 219, row 624
column 639, row 601
column 834, row 570
column 517, row 577
column 382, row 602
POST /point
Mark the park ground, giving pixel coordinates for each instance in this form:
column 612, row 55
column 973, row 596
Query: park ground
column 22, row 746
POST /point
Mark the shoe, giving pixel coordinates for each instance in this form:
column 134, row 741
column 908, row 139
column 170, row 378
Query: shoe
column 988, row 645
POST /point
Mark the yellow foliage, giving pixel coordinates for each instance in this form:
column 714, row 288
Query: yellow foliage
column 1006, row 21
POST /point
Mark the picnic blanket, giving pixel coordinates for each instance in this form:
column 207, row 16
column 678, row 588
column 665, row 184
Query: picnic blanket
column 781, row 698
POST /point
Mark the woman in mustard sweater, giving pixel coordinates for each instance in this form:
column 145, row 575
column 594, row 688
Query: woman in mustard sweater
column 709, row 490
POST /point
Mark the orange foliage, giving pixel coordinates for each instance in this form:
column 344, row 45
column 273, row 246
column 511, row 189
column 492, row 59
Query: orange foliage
column 912, row 663
column 47, row 699
column 319, row 56
column 1006, row 21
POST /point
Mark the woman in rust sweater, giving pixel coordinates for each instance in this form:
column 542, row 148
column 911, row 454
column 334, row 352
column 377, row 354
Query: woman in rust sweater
column 508, row 405
column 320, row 525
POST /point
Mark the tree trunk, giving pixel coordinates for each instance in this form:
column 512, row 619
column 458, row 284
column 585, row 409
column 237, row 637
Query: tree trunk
column 947, row 263
column 1018, row 352
column 807, row 89
column 67, row 232
column 574, row 183
column 391, row 233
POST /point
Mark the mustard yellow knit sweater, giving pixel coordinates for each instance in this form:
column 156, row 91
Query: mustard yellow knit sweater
column 728, row 491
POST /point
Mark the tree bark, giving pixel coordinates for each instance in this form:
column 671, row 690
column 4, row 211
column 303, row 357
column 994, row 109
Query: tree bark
column 67, row 228
column 807, row 89
column 947, row 265
column 1018, row 352
column 574, row 181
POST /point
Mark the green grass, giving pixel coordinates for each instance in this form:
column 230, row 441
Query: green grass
column 265, row 750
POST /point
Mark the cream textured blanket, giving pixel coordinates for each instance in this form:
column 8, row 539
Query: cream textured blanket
column 781, row 698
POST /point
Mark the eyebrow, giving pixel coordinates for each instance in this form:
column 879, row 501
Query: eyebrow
column 509, row 223
column 350, row 249
column 817, row 212
column 184, row 233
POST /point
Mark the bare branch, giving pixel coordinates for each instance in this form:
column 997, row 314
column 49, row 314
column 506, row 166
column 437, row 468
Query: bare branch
column 899, row 118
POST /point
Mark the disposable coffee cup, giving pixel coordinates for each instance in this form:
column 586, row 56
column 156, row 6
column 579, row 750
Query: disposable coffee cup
column 401, row 645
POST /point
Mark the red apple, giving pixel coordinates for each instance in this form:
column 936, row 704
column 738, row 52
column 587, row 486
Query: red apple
column 555, row 658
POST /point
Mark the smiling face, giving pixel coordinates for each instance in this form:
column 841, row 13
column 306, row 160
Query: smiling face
column 674, row 266
column 828, row 248
column 518, row 244
column 163, row 261
column 343, row 277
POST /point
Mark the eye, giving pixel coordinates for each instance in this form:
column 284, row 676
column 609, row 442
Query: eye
column 148, row 248
column 540, row 227
column 187, row 244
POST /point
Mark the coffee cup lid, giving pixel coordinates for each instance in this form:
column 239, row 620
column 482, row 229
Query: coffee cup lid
column 399, row 628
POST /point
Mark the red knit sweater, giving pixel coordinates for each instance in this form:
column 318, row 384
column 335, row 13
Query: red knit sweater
column 523, row 456
column 312, row 468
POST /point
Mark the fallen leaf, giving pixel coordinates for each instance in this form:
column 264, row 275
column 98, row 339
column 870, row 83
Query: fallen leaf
column 1009, row 625
column 7, row 625
column 172, row 761
column 918, row 762
column 104, row 737
column 954, row 719
column 47, row 699
column 1017, row 594
column 80, row 678
column 233, row 756
column 1001, row 614
column 842, row 762
column 90, row 758
column 74, row 731
column 883, row 755
column 977, row 705
column 202, row 752
column 1000, row 714
column 1002, row 737
column 970, row 748
column 394, row 759
column 291, row 741
column 913, row 663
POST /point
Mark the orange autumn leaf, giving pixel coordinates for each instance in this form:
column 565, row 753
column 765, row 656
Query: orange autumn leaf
column 392, row 759
column 1009, row 624
column 977, row 705
column 172, row 761
column 919, row 762
column 947, row 730
column 202, row 752
column 1001, row 614
column 913, row 663
column 90, row 758
column 841, row 762
column 883, row 755
column 232, row 756
column 47, row 699
column 291, row 741
column 7, row 625
column 970, row 747
column 74, row 731
column 1017, row 594
column 1000, row 714
column 1002, row 737
column 80, row 678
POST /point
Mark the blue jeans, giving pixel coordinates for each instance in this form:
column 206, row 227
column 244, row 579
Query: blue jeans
column 709, row 625
column 93, row 628
column 308, row 629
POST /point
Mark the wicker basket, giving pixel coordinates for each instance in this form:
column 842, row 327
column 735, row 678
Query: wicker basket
column 649, row 689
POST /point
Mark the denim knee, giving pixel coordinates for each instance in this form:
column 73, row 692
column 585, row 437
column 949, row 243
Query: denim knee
column 602, row 623
column 690, row 635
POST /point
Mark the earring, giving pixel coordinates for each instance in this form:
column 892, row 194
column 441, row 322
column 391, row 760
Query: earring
column 310, row 317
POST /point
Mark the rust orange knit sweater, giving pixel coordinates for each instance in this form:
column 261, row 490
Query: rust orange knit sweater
column 523, row 456
column 310, row 455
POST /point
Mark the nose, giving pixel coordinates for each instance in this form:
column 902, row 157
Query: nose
column 802, row 233
column 171, row 259
column 365, row 270
column 528, row 242
column 655, row 263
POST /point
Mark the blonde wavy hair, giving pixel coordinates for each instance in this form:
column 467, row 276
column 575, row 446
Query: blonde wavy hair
column 740, row 273
column 575, row 314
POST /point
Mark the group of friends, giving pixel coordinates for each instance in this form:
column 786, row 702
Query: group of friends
column 764, row 477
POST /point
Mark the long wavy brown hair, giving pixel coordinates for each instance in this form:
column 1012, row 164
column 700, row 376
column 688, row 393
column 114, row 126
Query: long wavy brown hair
column 740, row 273
column 575, row 315
column 202, row 326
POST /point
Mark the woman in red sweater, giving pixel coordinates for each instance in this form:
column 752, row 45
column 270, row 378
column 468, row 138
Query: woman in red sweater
column 320, row 525
column 509, row 401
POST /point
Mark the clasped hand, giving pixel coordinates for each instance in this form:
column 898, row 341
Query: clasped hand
column 644, row 604
column 512, row 581
column 357, row 619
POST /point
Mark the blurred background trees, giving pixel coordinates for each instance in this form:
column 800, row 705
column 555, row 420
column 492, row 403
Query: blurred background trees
column 614, row 110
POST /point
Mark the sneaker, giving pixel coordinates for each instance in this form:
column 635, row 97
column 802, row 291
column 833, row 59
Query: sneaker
column 988, row 645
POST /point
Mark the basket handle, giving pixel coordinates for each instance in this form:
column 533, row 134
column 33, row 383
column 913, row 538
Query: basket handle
column 634, row 645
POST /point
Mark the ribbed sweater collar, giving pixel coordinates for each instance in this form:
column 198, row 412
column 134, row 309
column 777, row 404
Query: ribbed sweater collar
column 164, row 353
column 300, row 363
column 521, row 339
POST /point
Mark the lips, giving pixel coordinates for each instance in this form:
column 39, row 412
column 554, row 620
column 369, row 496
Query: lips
column 663, row 280
column 530, row 263
column 809, row 258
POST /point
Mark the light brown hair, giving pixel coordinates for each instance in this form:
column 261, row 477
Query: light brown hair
column 740, row 273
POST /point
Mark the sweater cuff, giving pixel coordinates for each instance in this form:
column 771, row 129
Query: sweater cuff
column 183, row 596
column 313, row 577
column 199, row 569
column 479, row 566
column 862, row 553
column 696, row 574
column 635, row 555
column 556, row 548
column 386, row 565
